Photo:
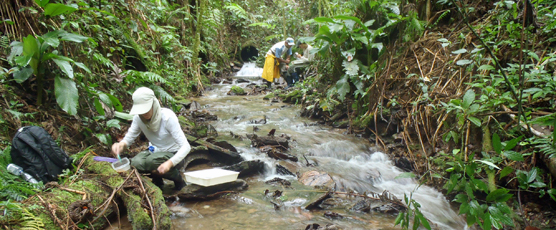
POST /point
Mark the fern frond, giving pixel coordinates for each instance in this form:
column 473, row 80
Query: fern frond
column 144, row 77
column 545, row 146
column 237, row 10
column 30, row 221
column 162, row 94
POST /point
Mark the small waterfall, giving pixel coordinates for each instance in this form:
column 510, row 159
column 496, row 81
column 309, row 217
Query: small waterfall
column 250, row 70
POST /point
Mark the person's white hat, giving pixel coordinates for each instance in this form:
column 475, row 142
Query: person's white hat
column 142, row 101
column 290, row 41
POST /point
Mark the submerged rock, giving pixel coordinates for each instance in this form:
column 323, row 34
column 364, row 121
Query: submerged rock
column 314, row 178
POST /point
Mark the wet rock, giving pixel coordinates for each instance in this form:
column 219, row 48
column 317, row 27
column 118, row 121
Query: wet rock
column 404, row 164
column 391, row 208
column 236, row 90
column 197, row 192
column 225, row 145
column 362, row 206
column 316, row 204
column 194, row 106
column 277, row 153
column 260, row 120
column 312, row 227
column 290, row 166
column 284, row 171
column 257, row 141
column 227, row 81
column 314, row 178
column 315, row 226
column 340, row 124
column 247, row 168
column 241, row 80
column 269, row 96
column 275, row 194
column 373, row 176
column 278, row 182
column 203, row 115
column 333, row 215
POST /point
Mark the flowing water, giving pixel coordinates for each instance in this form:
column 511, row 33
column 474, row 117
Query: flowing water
column 349, row 160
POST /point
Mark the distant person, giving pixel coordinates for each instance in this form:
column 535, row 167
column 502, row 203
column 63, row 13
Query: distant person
column 277, row 60
column 162, row 129
column 297, row 66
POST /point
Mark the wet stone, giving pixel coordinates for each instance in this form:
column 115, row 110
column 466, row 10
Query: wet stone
column 278, row 181
column 362, row 206
column 314, row 178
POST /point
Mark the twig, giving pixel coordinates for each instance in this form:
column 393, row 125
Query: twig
column 419, row 65
column 107, row 201
column 47, row 206
column 148, row 199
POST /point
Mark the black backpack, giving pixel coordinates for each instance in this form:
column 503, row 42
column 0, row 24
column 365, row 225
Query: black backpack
column 36, row 152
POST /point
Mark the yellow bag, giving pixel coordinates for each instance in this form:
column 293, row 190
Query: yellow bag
column 271, row 70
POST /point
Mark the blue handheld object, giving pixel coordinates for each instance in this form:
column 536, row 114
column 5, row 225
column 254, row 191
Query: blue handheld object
column 107, row 159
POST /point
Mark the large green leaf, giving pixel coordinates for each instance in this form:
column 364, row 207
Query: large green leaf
column 82, row 66
column 66, row 94
column 343, row 88
column 350, row 68
column 55, row 9
column 114, row 123
column 65, row 66
column 42, row 3
column 98, row 107
column 124, row 116
column 513, row 155
column 475, row 121
column 499, row 195
column 496, row 143
column 17, row 49
column 104, row 138
column 105, row 98
column 31, row 47
column 116, row 103
column 468, row 98
column 23, row 74
column 65, row 36
column 499, row 216
column 512, row 143
column 23, row 60
column 506, row 171
column 51, row 38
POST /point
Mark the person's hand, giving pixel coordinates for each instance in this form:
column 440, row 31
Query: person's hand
column 287, row 67
column 165, row 167
column 118, row 148
column 298, row 55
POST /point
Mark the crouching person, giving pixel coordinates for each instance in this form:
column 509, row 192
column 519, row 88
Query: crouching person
column 167, row 142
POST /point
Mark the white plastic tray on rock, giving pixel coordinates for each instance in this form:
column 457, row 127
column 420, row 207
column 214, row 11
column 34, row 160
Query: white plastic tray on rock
column 210, row 177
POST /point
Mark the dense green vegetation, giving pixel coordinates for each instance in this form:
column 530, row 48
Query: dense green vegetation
column 469, row 85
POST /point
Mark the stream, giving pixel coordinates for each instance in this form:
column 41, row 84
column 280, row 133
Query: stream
column 351, row 162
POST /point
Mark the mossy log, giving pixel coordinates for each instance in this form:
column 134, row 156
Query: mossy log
column 136, row 202
column 90, row 200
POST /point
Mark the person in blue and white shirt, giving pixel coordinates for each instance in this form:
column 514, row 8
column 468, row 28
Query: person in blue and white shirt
column 277, row 60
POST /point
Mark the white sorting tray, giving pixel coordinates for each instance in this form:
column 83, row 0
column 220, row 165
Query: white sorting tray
column 210, row 177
